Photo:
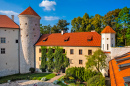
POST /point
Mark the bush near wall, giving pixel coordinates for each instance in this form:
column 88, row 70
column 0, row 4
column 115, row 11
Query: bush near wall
column 97, row 80
column 80, row 73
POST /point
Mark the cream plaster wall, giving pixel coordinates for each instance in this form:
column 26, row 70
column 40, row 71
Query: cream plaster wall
column 75, row 57
column 9, row 63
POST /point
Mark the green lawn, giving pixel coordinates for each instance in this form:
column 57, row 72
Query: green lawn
column 28, row 76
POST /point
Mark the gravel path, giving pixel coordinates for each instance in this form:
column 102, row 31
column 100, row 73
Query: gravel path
column 32, row 82
column 55, row 78
column 28, row 83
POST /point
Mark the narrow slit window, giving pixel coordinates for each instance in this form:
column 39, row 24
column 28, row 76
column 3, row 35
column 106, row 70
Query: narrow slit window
column 107, row 47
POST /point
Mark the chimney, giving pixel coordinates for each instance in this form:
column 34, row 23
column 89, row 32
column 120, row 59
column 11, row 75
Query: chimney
column 62, row 32
column 93, row 31
column 12, row 16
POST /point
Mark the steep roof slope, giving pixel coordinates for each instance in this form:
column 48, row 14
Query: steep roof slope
column 108, row 29
column 6, row 22
column 29, row 11
column 119, row 69
column 70, row 39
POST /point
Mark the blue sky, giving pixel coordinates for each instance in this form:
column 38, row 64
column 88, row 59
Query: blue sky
column 53, row 10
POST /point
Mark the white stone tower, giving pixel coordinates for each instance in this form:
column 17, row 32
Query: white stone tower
column 29, row 34
column 108, row 39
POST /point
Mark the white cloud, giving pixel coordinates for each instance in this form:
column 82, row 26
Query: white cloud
column 50, row 18
column 9, row 13
column 49, row 5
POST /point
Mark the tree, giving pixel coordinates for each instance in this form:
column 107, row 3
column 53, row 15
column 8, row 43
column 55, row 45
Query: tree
column 45, row 29
column 96, row 22
column 97, row 60
column 60, row 59
column 43, row 58
column 61, row 25
column 124, row 22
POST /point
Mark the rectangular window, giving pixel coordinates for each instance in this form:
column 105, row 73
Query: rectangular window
column 16, row 41
column 2, row 50
column 103, row 46
column 112, row 45
column 46, row 50
column 39, row 50
column 89, row 52
column 39, row 58
column 46, row 59
column 107, row 47
column 63, row 50
column 71, row 51
column 3, row 40
column 70, row 61
column 80, row 62
column 53, row 50
column 80, row 52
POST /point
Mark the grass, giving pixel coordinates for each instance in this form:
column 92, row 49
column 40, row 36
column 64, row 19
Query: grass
column 28, row 76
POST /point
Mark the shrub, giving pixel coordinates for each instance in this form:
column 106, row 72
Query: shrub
column 88, row 74
column 55, row 82
column 97, row 80
column 32, row 70
column 79, row 73
column 43, row 79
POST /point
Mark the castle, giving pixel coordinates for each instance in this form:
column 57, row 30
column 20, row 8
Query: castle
column 20, row 44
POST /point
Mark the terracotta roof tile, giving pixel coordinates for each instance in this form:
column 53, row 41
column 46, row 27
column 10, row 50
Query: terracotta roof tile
column 6, row 22
column 75, row 39
column 108, row 29
column 116, row 75
column 29, row 11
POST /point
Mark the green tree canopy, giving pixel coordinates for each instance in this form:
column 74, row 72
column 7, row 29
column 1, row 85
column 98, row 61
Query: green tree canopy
column 45, row 29
column 97, row 60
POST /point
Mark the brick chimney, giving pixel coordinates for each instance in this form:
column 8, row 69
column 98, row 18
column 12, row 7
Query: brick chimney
column 12, row 17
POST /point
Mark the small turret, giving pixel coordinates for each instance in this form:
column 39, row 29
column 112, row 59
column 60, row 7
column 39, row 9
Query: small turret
column 108, row 39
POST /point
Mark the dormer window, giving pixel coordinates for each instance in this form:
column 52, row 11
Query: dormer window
column 66, row 38
column 45, row 39
column 89, row 38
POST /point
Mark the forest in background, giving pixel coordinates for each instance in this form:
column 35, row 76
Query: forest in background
column 118, row 19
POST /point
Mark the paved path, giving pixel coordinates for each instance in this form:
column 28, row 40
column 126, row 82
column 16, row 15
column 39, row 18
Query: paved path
column 32, row 82
column 28, row 83
column 55, row 78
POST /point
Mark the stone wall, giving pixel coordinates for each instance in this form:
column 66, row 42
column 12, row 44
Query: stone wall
column 29, row 34
column 117, row 51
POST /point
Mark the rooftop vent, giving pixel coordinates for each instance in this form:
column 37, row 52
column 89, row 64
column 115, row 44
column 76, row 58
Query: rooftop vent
column 66, row 38
column 89, row 38
column 45, row 39
column 62, row 32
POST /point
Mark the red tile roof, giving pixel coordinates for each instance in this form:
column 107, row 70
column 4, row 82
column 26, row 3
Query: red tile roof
column 29, row 11
column 108, row 29
column 6, row 22
column 116, row 76
column 75, row 39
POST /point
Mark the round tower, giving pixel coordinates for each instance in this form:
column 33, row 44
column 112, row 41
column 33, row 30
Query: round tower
column 108, row 39
column 29, row 34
